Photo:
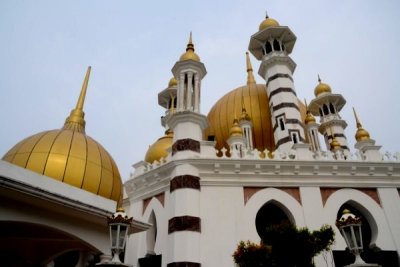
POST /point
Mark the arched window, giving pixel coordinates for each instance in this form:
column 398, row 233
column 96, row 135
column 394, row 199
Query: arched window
column 326, row 111
column 268, row 47
column 331, row 108
column 277, row 47
column 294, row 138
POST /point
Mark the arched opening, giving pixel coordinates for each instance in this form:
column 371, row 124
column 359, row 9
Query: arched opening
column 331, row 108
column 268, row 47
column 151, row 234
column 30, row 245
column 326, row 111
column 277, row 47
column 270, row 214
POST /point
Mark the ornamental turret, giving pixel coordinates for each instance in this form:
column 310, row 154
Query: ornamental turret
column 327, row 106
column 272, row 45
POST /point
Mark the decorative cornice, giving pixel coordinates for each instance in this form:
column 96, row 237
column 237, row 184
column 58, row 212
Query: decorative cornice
column 185, row 181
column 184, row 223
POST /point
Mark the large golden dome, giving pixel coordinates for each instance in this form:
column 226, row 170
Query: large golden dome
column 268, row 22
column 253, row 97
column 158, row 150
column 70, row 156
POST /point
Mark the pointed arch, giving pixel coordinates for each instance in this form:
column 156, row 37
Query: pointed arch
column 288, row 204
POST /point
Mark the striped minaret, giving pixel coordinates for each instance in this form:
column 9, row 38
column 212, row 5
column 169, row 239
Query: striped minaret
column 184, row 224
column 272, row 45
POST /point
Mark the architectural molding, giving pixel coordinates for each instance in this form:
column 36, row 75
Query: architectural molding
column 185, row 181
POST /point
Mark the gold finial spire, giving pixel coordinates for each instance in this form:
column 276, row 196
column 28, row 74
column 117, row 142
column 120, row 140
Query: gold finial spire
column 250, row 76
column 190, row 45
column 361, row 134
column 75, row 121
column 190, row 54
column 244, row 115
column 309, row 117
column 319, row 79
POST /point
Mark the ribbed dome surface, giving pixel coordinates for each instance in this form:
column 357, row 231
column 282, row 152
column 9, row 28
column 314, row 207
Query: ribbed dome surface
column 71, row 157
column 222, row 114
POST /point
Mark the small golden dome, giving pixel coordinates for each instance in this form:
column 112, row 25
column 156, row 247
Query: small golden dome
column 172, row 82
column 361, row 134
column 309, row 118
column 321, row 88
column 335, row 145
column 268, row 22
column 70, row 156
column 235, row 129
column 158, row 150
column 190, row 54
column 244, row 116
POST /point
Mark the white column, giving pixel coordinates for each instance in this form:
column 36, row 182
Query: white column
column 196, row 93
column 180, row 94
column 390, row 198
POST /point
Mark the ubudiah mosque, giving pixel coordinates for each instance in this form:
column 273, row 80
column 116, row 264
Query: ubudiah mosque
column 258, row 157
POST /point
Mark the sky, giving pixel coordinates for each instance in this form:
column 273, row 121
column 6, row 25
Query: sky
column 46, row 47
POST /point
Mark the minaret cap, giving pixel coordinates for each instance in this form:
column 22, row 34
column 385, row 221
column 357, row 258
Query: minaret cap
column 235, row 129
column 190, row 54
column 361, row 134
column 268, row 22
column 321, row 88
column 75, row 121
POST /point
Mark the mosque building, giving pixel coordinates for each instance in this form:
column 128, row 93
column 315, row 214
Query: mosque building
column 211, row 181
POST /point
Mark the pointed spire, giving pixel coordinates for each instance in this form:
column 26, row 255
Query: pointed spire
column 250, row 76
column 309, row 117
column 190, row 45
column 361, row 134
column 244, row 115
column 319, row 79
column 266, row 14
column 75, row 121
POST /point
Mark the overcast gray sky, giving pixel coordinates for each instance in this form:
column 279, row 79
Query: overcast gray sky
column 46, row 47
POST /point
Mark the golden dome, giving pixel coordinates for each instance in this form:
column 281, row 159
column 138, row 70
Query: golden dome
column 254, row 97
column 309, row 117
column 172, row 82
column 190, row 54
column 235, row 129
column 335, row 144
column 70, row 156
column 268, row 22
column 361, row 134
column 321, row 88
column 158, row 150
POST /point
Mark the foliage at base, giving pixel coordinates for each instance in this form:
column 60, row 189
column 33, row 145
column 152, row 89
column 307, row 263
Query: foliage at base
column 284, row 245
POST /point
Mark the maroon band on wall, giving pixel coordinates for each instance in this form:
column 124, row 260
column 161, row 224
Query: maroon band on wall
column 184, row 223
column 186, row 144
column 183, row 264
column 184, row 181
